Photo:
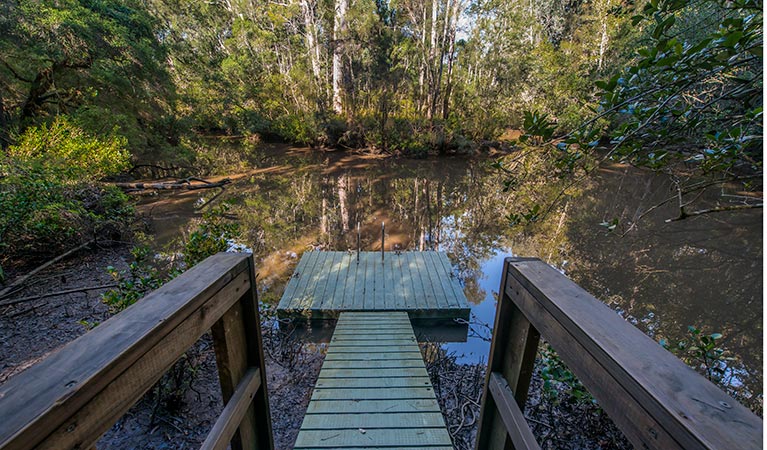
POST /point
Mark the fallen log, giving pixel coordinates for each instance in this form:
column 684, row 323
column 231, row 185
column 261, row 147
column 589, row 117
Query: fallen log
column 180, row 184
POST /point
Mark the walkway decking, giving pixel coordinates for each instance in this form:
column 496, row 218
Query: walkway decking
column 373, row 390
column 420, row 283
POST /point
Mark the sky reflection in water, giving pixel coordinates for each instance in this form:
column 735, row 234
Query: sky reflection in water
column 705, row 271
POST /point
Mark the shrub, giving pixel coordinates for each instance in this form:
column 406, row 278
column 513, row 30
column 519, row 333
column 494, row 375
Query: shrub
column 212, row 235
column 298, row 128
column 66, row 152
column 47, row 195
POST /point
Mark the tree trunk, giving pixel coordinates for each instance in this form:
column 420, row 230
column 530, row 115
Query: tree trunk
column 424, row 62
column 433, row 82
column 309, row 8
column 604, row 38
column 450, row 61
column 339, row 26
column 40, row 85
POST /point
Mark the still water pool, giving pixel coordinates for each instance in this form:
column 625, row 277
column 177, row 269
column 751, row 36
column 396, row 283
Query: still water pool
column 704, row 271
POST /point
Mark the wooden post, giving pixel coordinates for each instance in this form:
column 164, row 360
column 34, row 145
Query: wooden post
column 358, row 242
column 78, row 392
column 656, row 400
column 512, row 354
column 237, row 341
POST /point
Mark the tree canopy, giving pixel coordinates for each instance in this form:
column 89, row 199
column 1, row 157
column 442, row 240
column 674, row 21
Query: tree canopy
column 672, row 85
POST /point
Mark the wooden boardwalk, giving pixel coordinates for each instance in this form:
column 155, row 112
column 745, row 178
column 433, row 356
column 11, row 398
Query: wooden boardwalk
column 327, row 283
column 373, row 390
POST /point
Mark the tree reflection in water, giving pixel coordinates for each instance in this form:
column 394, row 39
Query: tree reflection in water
column 704, row 271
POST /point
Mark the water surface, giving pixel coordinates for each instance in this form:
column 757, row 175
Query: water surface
column 704, row 271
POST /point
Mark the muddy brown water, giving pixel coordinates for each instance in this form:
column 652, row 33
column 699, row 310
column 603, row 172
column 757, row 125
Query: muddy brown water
column 704, row 271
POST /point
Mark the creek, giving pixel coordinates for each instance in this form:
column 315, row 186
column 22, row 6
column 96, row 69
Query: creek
column 704, row 271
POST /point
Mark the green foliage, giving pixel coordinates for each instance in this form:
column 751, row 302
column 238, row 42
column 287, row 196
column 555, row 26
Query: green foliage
column 71, row 56
column 558, row 379
column 63, row 151
column 300, row 129
column 146, row 272
column 47, row 200
column 696, row 83
column 531, row 215
column 142, row 277
column 214, row 234
column 703, row 352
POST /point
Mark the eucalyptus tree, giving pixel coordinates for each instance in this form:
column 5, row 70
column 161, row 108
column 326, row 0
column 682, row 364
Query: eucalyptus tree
column 100, row 61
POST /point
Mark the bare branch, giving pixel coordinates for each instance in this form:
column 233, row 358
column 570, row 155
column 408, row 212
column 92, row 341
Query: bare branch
column 713, row 210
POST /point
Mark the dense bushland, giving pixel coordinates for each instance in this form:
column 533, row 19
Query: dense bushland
column 671, row 85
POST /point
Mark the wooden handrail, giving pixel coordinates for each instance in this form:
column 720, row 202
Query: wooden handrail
column 73, row 396
column 654, row 398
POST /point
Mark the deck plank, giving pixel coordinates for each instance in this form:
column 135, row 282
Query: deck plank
column 373, row 364
column 386, row 284
column 300, row 299
column 309, row 297
column 406, row 393
column 374, row 420
column 324, row 280
column 419, row 292
column 359, row 285
column 350, row 383
column 373, row 390
column 292, row 286
column 379, row 289
column 351, row 281
column 353, row 437
column 428, row 288
column 332, row 300
column 442, row 291
column 412, row 354
column 398, row 282
column 444, row 282
column 451, row 278
column 326, row 283
column 374, row 349
column 372, row 406
column 348, row 280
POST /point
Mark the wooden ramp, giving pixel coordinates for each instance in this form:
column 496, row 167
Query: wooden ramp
column 373, row 390
column 420, row 283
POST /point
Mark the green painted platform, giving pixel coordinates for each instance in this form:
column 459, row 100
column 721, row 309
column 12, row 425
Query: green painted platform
column 325, row 284
column 373, row 390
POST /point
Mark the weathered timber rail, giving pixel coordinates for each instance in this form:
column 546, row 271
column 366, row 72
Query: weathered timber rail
column 656, row 400
column 373, row 390
column 72, row 397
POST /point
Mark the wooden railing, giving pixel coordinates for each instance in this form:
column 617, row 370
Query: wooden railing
column 68, row 400
column 655, row 399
